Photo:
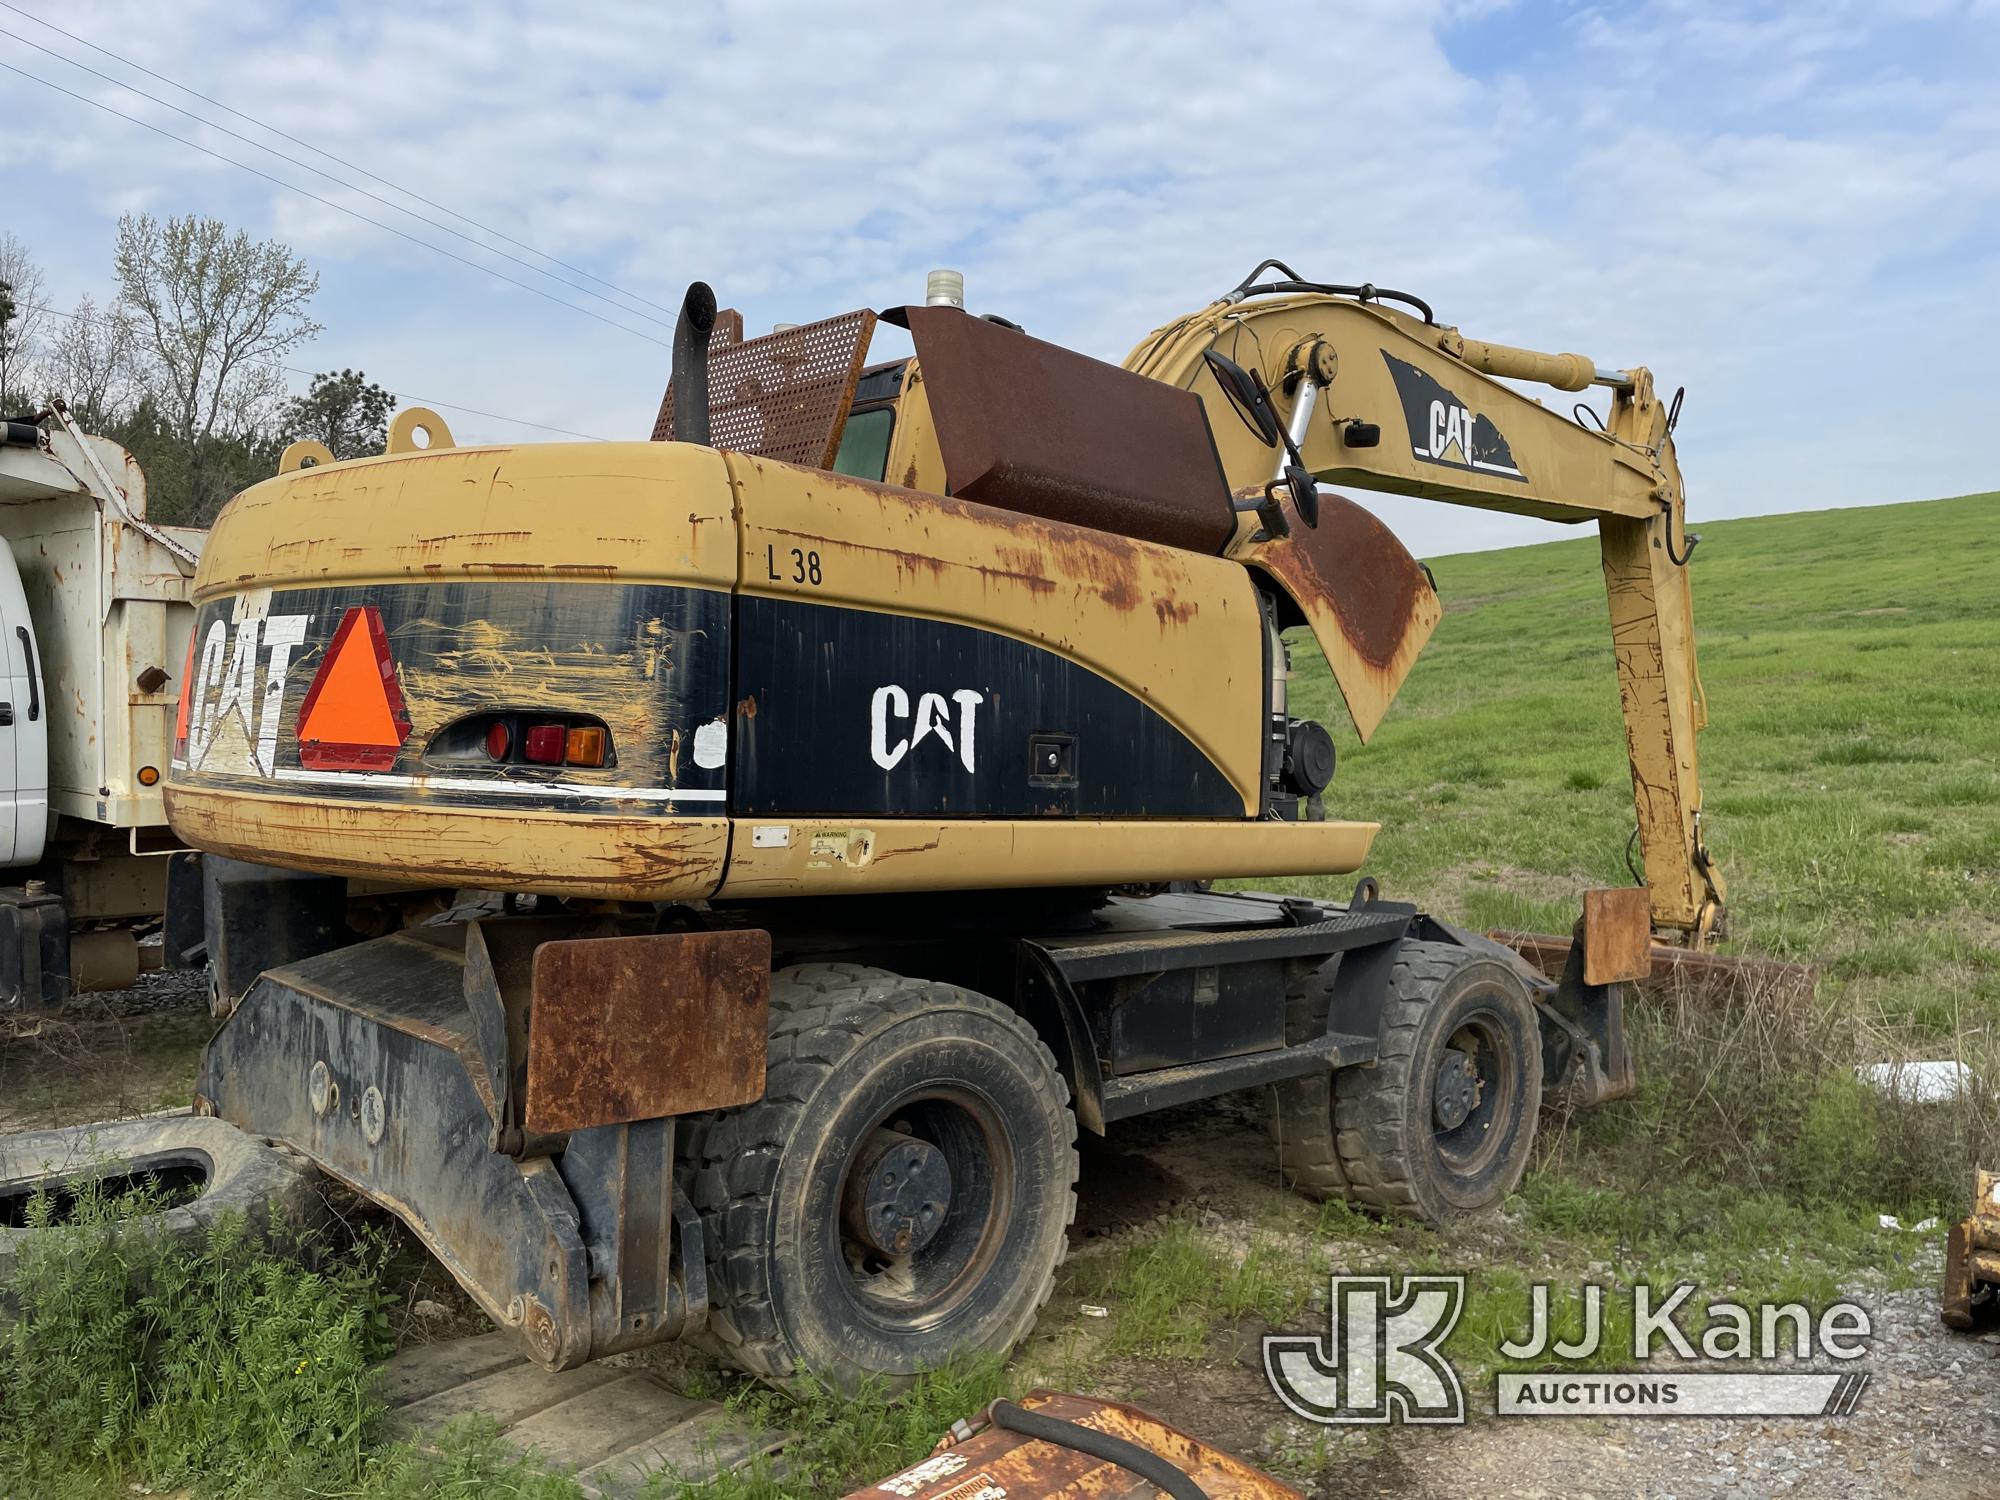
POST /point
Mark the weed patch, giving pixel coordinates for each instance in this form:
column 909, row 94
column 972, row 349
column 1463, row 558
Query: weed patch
column 223, row 1365
column 845, row 1441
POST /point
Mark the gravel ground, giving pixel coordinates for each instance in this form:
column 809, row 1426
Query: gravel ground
column 1928, row 1426
column 158, row 990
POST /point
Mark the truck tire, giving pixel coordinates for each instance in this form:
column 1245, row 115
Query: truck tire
column 901, row 1194
column 1442, row 1123
column 1302, row 1108
column 208, row 1166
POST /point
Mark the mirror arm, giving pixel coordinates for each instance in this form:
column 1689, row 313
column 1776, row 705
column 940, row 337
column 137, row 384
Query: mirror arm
column 1292, row 473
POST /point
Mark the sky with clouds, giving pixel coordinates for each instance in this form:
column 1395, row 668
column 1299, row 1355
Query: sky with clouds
column 1792, row 210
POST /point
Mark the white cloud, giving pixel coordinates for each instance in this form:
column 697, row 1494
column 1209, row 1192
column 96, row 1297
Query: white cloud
column 1761, row 204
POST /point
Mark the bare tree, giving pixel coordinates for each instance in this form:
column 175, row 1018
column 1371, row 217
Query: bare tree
column 21, row 331
column 213, row 312
column 90, row 364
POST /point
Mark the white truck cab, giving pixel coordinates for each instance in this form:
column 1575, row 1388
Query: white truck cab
column 24, row 728
column 95, row 614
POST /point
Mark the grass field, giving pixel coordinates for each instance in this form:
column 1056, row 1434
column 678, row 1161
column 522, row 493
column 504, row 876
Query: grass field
column 1851, row 770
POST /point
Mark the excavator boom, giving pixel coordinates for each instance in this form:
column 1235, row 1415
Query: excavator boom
column 1389, row 400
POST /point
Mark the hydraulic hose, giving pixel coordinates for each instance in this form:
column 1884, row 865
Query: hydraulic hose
column 1144, row 1462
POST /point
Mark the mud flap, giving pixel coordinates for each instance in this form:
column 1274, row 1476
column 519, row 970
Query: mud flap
column 368, row 1060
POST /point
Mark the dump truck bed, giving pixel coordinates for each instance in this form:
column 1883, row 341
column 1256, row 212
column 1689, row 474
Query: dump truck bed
column 112, row 599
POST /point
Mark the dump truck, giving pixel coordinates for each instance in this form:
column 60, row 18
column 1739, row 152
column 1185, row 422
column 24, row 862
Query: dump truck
column 96, row 609
column 803, row 823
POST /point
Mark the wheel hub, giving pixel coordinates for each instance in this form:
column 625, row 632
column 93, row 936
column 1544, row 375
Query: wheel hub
column 897, row 1192
column 1456, row 1093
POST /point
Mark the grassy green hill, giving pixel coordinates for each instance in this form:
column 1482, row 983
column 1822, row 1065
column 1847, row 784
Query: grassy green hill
column 1851, row 768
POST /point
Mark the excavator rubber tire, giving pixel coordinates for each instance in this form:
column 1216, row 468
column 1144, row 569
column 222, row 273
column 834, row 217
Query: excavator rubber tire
column 275, row 1189
column 1302, row 1108
column 1386, row 1135
column 849, row 1046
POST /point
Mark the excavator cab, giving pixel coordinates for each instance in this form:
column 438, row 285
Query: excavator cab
column 871, row 422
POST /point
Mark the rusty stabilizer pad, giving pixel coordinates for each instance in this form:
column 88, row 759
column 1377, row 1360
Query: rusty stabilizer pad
column 993, row 1461
column 398, row 1066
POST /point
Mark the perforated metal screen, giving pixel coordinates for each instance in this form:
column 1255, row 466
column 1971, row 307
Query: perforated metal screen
column 784, row 395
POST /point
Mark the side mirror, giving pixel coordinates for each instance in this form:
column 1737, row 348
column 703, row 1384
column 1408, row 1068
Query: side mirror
column 1246, row 394
column 1305, row 494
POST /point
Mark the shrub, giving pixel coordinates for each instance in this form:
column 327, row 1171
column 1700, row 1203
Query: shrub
column 223, row 1364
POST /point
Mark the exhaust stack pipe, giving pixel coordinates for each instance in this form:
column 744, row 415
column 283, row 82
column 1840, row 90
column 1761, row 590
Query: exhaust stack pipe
column 697, row 321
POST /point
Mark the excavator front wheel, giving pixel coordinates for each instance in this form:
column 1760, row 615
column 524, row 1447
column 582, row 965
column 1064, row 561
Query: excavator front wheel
column 901, row 1194
column 1442, row 1123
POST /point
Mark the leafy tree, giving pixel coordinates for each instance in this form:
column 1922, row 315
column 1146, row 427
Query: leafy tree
column 179, row 473
column 346, row 411
column 213, row 312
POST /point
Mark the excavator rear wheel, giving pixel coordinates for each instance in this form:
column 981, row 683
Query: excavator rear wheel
column 901, row 1194
column 1441, row 1124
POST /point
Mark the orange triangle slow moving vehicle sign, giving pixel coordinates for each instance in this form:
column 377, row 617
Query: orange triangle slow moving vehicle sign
column 352, row 718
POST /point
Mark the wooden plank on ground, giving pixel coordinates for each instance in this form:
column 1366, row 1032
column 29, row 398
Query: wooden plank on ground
column 611, row 1426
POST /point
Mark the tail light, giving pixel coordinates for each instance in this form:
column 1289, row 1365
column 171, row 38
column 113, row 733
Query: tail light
column 523, row 739
column 543, row 744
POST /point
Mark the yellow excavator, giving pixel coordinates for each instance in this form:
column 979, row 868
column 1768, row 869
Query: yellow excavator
column 701, row 885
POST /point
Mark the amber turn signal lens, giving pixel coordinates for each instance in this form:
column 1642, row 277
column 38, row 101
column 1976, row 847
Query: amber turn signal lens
column 149, row 775
column 585, row 747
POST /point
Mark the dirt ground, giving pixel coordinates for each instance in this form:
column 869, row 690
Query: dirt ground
column 1928, row 1424
column 105, row 1056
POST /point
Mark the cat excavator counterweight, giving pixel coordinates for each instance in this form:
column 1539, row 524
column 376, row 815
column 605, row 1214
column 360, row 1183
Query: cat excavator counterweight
column 701, row 885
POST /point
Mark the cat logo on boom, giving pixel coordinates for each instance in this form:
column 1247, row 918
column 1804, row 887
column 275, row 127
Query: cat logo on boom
column 1444, row 431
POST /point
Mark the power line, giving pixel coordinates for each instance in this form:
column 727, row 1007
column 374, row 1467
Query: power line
column 399, row 395
column 338, row 160
column 336, row 207
column 330, row 177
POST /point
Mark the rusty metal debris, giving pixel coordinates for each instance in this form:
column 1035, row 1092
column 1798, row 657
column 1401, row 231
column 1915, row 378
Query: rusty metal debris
column 984, row 1458
column 1972, row 1261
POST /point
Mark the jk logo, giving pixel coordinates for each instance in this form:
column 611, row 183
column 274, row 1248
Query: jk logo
column 1380, row 1360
